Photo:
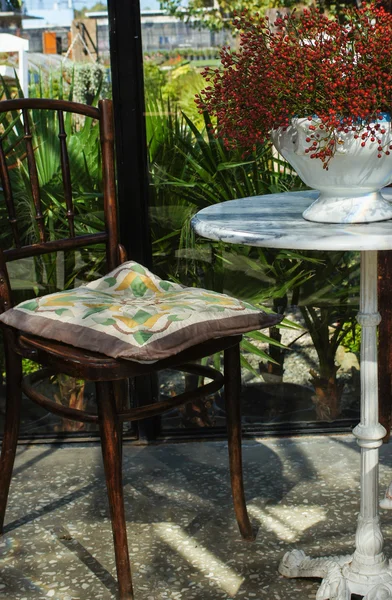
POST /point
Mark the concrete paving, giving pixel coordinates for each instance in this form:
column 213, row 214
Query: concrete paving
column 302, row 492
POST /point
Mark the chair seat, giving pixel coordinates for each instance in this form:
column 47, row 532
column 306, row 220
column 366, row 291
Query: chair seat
column 132, row 314
column 77, row 362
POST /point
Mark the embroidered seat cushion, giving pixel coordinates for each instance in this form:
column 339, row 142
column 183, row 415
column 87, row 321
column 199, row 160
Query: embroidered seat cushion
column 133, row 314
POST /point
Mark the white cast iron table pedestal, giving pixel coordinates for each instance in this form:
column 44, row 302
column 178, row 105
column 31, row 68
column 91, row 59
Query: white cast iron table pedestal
column 275, row 221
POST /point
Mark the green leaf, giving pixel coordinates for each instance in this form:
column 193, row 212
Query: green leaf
column 249, row 347
column 261, row 337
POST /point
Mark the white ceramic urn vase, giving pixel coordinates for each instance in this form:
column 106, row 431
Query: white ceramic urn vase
column 350, row 188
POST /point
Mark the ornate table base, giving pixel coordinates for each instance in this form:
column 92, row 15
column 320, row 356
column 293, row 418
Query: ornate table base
column 339, row 581
column 367, row 572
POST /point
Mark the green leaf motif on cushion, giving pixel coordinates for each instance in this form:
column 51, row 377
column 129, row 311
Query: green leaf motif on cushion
column 174, row 318
column 30, row 305
column 141, row 316
column 138, row 287
column 166, row 285
column 105, row 322
column 111, row 281
column 250, row 306
column 142, row 337
column 93, row 311
column 138, row 268
column 188, row 307
column 63, row 311
column 213, row 299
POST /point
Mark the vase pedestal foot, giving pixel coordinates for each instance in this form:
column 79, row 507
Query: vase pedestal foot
column 339, row 582
column 361, row 208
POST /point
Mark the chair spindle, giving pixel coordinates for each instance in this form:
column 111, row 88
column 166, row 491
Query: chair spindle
column 34, row 182
column 65, row 168
column 9, row 200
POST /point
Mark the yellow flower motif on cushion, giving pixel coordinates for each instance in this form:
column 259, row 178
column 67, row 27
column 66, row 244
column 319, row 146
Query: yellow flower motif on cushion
column 127, row 282
column 57, row 299
column 111, row 307
column 148, row 324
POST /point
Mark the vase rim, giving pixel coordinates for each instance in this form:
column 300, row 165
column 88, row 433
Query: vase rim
column 385, row 117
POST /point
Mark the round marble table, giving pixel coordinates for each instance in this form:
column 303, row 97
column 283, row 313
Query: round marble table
column 276, row 221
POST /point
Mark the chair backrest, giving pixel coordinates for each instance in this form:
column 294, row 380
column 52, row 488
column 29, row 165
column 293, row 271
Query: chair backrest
column 35, row 134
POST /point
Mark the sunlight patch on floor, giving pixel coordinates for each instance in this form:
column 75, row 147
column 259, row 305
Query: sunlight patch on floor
column 287, row 522
column 200, row 557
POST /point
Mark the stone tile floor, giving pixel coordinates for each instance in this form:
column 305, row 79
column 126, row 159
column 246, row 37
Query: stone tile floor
column 302, row 492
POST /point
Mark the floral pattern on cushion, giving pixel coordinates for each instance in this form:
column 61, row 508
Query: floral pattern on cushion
column 133, row 314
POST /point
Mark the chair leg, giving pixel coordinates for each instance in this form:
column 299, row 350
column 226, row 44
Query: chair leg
column 121, row 394
column 110, row 439
column 233, row 421
column 11, row 426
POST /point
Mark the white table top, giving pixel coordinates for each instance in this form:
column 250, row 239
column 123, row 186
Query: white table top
column 275, row 221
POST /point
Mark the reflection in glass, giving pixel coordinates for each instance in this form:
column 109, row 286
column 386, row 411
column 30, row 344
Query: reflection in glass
column 303, row 374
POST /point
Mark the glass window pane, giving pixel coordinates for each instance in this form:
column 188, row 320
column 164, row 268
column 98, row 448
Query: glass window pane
column 311, row 378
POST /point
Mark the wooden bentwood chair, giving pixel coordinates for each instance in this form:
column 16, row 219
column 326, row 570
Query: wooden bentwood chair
column 65, row 355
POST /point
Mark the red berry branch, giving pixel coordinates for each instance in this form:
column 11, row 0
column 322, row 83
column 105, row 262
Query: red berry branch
column 337, row 74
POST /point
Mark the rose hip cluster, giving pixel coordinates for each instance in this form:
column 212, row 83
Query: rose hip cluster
column 338, row 74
